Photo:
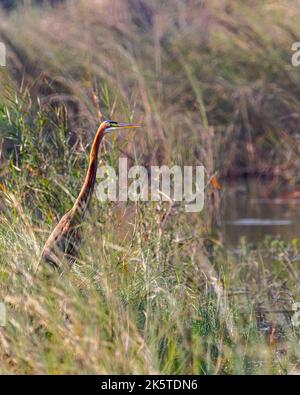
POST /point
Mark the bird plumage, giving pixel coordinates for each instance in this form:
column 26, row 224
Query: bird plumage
column 64, row 241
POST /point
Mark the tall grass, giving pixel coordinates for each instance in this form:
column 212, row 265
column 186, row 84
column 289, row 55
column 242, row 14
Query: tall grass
column 154, row 290
column 238, row 54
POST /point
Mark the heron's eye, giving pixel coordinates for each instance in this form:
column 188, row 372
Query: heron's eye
column 113, row 124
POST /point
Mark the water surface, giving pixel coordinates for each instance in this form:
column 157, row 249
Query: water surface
column 248, row 213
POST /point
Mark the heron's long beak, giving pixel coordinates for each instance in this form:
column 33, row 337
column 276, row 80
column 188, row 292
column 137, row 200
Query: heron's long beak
column 127, row 125
column 122, row 126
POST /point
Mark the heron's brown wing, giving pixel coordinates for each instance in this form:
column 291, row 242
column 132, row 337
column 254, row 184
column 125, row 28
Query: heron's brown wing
column 69, row 240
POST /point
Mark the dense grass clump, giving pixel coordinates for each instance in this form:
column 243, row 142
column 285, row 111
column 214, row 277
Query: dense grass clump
column 143, row 297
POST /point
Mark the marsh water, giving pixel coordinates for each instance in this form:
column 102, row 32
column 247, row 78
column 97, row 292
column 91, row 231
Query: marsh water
column 248, row 213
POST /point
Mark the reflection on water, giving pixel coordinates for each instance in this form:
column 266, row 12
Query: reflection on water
column 246, row 213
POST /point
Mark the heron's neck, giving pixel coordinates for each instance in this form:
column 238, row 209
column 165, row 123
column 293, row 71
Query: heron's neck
column 84, row 197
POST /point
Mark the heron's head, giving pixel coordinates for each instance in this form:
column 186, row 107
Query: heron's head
column 114, row 125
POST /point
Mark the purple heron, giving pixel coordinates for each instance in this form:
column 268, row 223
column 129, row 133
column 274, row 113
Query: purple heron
column 65, row 239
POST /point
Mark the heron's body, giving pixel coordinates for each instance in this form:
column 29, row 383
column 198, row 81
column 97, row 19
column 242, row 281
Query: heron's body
column 65, row 239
